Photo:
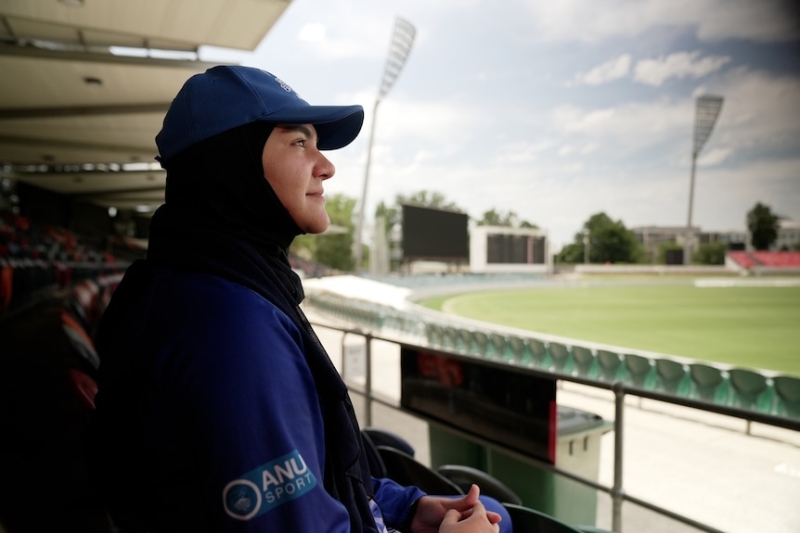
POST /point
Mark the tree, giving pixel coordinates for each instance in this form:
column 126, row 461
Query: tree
column 763, row 226
column 609, row 242
column 333, row 248
column 508, row 219
column 711, row 253
column 432, row 199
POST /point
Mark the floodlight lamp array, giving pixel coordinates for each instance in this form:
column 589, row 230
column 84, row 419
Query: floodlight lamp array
column 707, row 112
column 399, row 48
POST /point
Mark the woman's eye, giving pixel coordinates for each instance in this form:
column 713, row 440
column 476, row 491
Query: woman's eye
column 301, row 142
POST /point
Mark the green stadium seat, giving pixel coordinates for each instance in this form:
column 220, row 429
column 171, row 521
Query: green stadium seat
column 481, row 344
column 641, row 371
column 751, row 390
column 500, row 346
column 434, row 334
column 787, row 390
column 673, row 377
column 585, row 362
column 465, row 340
column 520, row 350
column 709, row 383
column 562, row 357
column 612, row 367
column 450, row 338
column 539, row 354
column 527, row 520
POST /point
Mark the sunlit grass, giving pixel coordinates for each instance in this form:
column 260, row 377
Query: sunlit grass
column 757, row 327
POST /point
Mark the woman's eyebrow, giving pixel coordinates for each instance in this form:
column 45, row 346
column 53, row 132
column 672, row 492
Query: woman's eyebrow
column 298, row 127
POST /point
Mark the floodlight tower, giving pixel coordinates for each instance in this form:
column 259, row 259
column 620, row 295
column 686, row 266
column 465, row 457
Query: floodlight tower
column 706, row 114
column 399, row 48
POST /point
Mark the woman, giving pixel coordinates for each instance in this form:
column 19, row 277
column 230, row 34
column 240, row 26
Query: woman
column 218, row 408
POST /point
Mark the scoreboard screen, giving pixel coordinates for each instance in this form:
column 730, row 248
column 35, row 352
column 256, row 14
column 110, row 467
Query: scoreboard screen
column 434, row 234
column 514, row 249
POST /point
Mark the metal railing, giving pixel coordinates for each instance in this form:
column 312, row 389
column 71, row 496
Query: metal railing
column 620, row 391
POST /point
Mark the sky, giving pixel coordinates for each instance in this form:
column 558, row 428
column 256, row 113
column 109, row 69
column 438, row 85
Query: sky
column 557, row 110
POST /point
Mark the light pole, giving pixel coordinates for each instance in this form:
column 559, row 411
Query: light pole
column 399, row 48
column 706, row 113
column 586, row 243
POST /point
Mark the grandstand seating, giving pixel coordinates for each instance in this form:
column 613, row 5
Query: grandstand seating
column 709, row 383
column 641, row 370
column 766, row 259
column 586, row 364
column 528, row 520
column 406, row 470
column 612, row 367
column 787, row 389
column 778, row 259
column 751, row 390
column 562, row 357
column 466, row 476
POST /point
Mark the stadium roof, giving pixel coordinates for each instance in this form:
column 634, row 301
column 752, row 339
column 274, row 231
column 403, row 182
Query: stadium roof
column 84, row 85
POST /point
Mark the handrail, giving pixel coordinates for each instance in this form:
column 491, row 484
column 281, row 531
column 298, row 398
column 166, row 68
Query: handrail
column 620, row 390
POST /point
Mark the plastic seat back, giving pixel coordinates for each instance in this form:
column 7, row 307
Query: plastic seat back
column 527, row 520
column 585, row 362
column 787, row 390
column 406, row 470
column 751, row 390
column 611, row 366
column 562, row 358
column 673, row 376
column 709, row 383
column 641, row 371
column 466, row 476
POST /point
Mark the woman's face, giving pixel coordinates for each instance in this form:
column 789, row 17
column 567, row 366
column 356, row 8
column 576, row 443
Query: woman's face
column 295, row 169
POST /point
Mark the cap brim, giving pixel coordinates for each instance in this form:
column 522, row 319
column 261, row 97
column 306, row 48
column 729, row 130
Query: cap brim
column 337, row 126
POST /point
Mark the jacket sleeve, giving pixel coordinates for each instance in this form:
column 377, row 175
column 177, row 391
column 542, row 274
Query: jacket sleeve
column 237, row 380
column 395, row 501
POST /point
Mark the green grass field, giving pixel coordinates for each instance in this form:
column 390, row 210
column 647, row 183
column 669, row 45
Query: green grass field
column 755, row 327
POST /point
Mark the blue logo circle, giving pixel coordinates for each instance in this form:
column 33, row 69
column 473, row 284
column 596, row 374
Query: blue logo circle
column 241, row 499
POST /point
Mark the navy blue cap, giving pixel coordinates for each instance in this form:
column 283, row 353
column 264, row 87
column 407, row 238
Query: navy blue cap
column 225, row 97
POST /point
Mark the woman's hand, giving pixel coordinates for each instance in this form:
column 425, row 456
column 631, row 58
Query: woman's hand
column 454, row 515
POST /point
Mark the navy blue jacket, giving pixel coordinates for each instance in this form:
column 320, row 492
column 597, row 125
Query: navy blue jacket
column 218, row 408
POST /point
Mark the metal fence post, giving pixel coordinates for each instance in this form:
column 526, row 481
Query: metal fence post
column 617, row 492
column 368, row 380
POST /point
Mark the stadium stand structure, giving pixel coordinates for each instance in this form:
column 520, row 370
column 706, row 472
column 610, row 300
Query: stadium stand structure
column 752, row 389
column 763, row 262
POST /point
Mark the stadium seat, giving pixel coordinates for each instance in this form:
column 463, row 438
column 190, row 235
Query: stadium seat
column 500, row 346
column 465, row 340
column 673, row 377
column 520, row 350
column 562, row 358
column 434, row 334
column 751, row 390
column 709, row 383
column 406, row 470
column 450, row 338
column 466, row 476
column 383, row 437
column 527, row 520
column 585, row 362
column 611, row 366
column 787, row 389
column 480, row 343
column 541, row 358
column 641, row 371
column 376, row 467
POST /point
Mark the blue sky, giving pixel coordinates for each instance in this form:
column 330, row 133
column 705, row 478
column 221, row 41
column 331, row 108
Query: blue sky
column 557, row 110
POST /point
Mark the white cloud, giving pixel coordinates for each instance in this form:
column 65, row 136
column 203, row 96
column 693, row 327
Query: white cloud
column 312, row 33
column 677, row 65
column 711, row 20
column 608, row 71
column 714, row 157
